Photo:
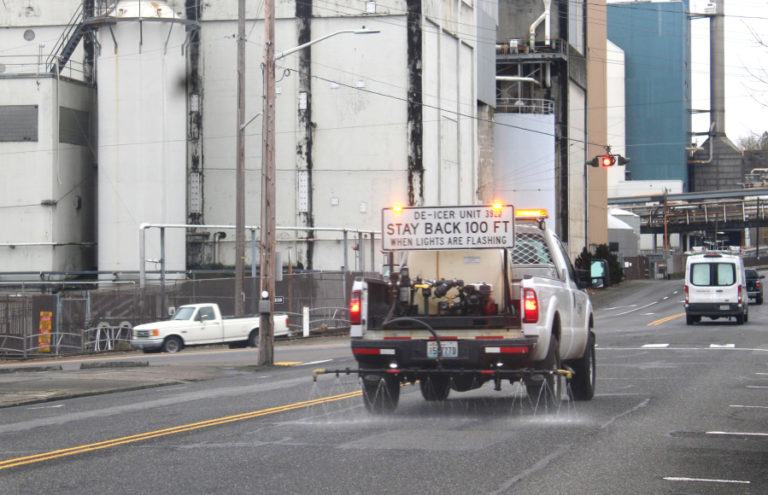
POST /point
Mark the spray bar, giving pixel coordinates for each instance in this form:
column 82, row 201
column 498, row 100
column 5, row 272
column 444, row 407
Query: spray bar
column 567, row 373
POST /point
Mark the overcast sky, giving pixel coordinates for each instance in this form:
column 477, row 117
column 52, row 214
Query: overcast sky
column 746, row 98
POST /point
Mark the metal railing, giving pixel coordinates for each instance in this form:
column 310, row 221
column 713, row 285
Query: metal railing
column 525, row 105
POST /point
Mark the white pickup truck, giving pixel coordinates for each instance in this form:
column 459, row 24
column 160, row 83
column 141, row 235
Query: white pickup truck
column 454, row 318
column 202, row 324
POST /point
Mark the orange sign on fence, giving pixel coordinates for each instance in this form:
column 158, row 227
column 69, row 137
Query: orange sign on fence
column 44, row 338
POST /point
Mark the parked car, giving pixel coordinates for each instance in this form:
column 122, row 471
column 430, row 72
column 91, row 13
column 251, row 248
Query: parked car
column 754, row 286
column 202, row 324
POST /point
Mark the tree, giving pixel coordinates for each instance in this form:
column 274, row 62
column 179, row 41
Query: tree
column 602, row 252
column 754, row 142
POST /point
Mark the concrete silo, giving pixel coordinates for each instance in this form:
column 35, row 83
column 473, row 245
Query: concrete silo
column 142, row 135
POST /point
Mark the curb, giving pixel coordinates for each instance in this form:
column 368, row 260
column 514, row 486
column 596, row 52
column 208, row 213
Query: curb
column 31, row 368
column 113, row 364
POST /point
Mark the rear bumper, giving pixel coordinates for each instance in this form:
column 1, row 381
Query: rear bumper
column 472, row 354
column 715, row 309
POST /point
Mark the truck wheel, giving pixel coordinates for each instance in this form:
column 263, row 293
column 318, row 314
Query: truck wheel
column 740, row 319
column 546, row 390
column 435, row 388
column 759, row 299
column 381, row 393
column 172, row 345
column 689, row 320
column 253, row 339
column 583, row 382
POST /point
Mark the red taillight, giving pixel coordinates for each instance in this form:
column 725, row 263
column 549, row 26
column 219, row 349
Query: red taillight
column 686, row 294
column 740, row 300
column 758, row 285
column 530, row 306
column 355, row 308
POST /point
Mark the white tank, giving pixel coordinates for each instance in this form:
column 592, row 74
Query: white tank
column 142, row 136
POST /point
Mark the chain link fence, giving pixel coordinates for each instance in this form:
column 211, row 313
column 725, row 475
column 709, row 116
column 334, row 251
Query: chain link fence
column 101, row 320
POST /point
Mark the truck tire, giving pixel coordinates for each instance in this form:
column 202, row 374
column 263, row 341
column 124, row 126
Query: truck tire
column 583, row 382
column 381, row 393
column 172, row 345
column 759, row 299
column 547, row 390
column 253, row 338
column 435, row 388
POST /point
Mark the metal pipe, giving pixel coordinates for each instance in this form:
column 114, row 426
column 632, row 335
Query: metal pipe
column 717, row 68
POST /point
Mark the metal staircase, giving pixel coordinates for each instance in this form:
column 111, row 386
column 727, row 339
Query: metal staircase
column 67, row 42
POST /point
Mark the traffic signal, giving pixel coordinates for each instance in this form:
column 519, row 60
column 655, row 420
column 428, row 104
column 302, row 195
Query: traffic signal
column 608, row 160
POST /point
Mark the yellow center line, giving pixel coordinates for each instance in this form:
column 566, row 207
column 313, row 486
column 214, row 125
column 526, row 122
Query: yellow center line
column 665, row 319
column 80, row 449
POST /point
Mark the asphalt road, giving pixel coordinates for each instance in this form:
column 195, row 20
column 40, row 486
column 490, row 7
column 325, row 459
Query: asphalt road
column 678, row 409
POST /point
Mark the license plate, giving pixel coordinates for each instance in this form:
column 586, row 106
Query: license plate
column 725, row 307
column 450, row 349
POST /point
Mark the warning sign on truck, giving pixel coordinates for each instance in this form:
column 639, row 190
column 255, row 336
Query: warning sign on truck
column 448, row 227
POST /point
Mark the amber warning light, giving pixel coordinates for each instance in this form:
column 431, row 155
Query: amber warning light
column 447, row 227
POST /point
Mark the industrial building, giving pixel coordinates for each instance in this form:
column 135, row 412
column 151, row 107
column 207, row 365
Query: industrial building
column 655, row 38
column 118, row 126
column 551, row 113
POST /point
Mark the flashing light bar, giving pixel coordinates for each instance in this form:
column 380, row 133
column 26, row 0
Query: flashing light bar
column 531, row 214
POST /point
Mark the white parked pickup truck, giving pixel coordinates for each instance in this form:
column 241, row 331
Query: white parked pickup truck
column 481, row 295
column 202, row 324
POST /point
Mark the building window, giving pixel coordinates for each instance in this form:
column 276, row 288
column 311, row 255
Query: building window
column 18, row 123
column 73, row 126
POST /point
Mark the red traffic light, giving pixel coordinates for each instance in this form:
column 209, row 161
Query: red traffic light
column 607, row 160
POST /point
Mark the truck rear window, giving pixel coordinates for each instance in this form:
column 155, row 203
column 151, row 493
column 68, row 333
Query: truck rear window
column 530, row 249
column 719, row 274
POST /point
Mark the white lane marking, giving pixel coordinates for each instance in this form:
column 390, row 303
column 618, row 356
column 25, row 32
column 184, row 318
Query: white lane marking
column 316, row 362
column 761, row 374
column 675, row 292
column 648, row 314
column 722, row 346
column 739, row 406
column 737, row 434
column 759, row 387
column 635, row 309
column 47, row 407
column 683, row 349
column 706, row 480
column 655, row 346
column 665, row 298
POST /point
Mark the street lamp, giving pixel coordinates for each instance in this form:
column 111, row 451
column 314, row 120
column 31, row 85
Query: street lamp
column 266, row 323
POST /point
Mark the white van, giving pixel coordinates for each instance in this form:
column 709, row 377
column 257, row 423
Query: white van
column 715, row 286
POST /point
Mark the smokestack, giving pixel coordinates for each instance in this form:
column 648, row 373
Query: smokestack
column 717, row 69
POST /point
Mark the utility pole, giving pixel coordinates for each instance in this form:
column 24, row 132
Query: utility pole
column 266, row 324
column 240, row 171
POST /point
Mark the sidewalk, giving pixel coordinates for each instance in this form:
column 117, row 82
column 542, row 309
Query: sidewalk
column 29, row 384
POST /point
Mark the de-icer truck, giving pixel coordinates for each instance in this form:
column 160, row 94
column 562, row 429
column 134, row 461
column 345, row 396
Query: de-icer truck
column 202, row 324
column 481, row 295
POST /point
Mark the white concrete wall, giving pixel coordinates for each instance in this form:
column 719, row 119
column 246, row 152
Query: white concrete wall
column 42, row 22
column 616, row 114
column 359, row 108
column 37, row 237
column 577, row 138
column 524, row 160
column 142, row 144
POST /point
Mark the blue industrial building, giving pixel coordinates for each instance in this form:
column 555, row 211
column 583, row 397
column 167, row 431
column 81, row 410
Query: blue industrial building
column 656, row 39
